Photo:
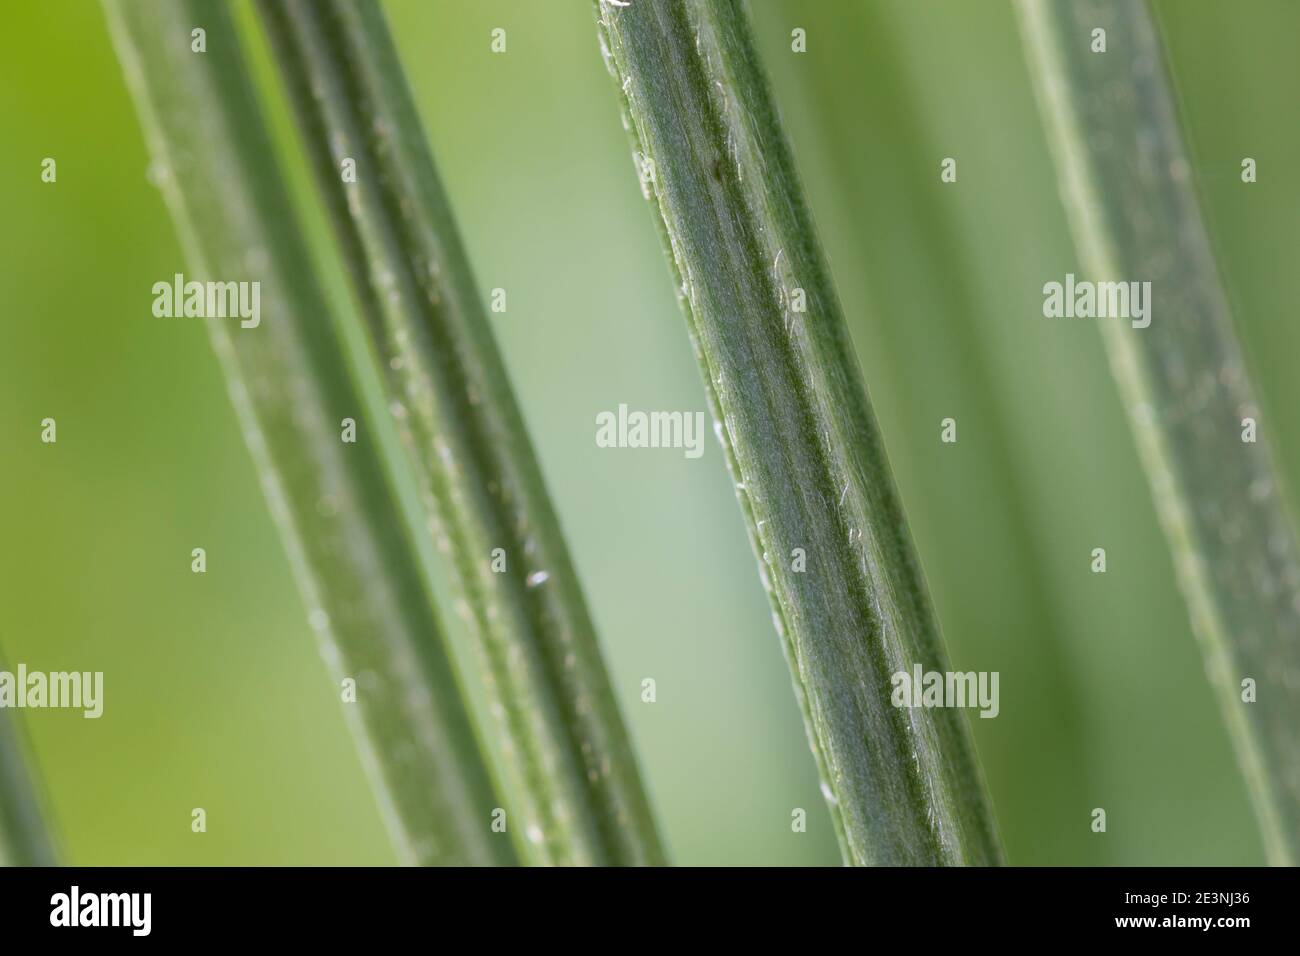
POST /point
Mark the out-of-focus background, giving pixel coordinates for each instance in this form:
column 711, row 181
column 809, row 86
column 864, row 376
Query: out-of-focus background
column 215, row 695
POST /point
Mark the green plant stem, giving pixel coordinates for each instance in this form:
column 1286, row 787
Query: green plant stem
column 567, row 754
column 903, row 785
column 1129, row 191
column 288, row 378
column 24, row 838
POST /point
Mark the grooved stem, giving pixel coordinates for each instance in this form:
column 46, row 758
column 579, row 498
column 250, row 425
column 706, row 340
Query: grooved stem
column 903, row 785
column 568, row 757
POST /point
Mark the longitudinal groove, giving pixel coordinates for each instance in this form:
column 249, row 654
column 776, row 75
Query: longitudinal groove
column 902, row 784
column 575, row 784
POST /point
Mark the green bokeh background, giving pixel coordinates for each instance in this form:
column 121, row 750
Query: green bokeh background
column 215, row 694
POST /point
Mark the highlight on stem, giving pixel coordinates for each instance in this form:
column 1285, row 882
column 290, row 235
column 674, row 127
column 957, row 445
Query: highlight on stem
column 903, row 784
column 568, row 758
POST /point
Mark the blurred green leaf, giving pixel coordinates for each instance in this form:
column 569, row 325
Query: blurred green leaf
column 288, row 380
column 1128, row 187
column 24, row 837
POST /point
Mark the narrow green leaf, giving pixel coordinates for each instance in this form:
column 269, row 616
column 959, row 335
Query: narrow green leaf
column 288, row 379
column 903, row 785
column 24, row 838
column 568, row 755
column 1128, row 187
